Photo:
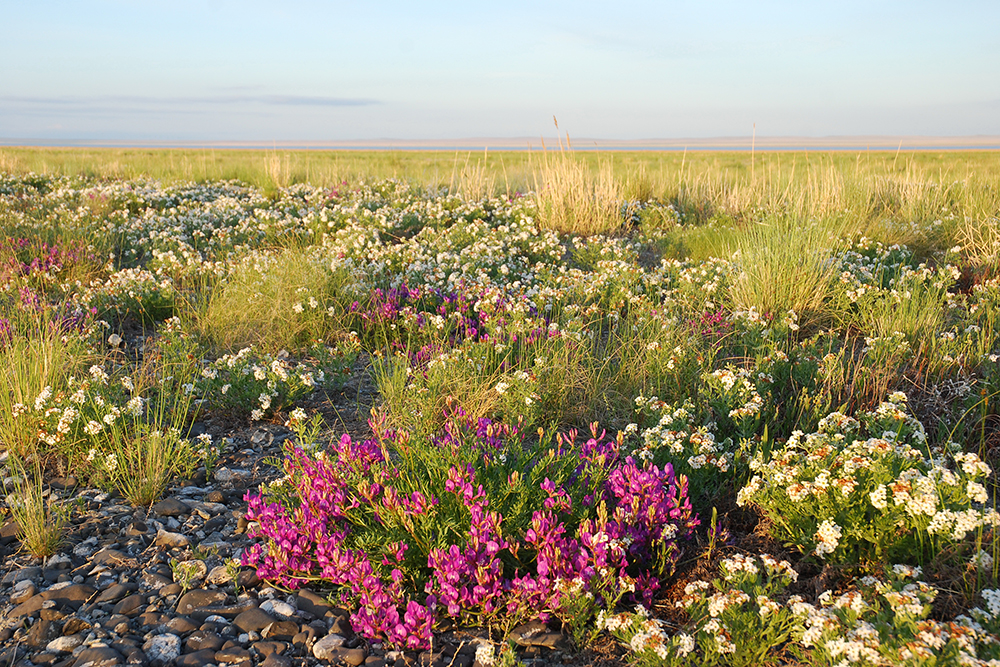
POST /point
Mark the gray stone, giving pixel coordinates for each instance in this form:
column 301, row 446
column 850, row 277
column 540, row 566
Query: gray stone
column 41, row 633
column 247, row 579
column 266, row 648
column 86, row 548
column 225, row 611
column 523, row 633
column 280, row 630
column 536, row 633
column 130, row 606
column 277, row 608
column 232, row 654
column 218, row 576
column 209, row 508
column 325, row 647
column 313, row 603
column 155, row 580
column 171, row 507
column 152, row 619
column 253, row 620
column 203, row 640
column 350, row 656
column 190, row 571
column 58, row 562
column 170, row 589
column 44, row 658
column 98, row 656
column 108, row 557
column 115, row 592
column 73, row 625
column 15, row 576
column 199, row 599
column 276, row 660
column 234, row 476
column 23, row 590
column 181, row 625
column 342, row 625
column 170, row 540
column 64, row 644
column 165, row 647
column 196, row 659
column 27, row 608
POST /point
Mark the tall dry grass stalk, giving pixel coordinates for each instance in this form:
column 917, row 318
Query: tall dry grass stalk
column 278, row 169
column 980, row 242
column 574, row 200
column 475, row 181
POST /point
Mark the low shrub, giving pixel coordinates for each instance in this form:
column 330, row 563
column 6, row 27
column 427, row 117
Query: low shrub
column 863, row 491
column 476, row 524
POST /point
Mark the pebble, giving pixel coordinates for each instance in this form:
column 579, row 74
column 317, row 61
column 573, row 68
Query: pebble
column 98, row 656
column 171, row 507
column 253, row 620
column 23, row 590
column 58, row 562
column 219, row 575
column 165, row 538
column 196, row 659
column 64, row 644
column 276, row 660
column 181, row 625
column 325, row 647
column 278, row 608
column 21, row 574
column 200, row 599
column 166, row 647
column 190, row 571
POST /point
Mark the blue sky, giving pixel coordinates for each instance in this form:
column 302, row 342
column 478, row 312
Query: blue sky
column 222, row 70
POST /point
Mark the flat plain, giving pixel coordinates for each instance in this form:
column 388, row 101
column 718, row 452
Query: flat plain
column 500, row 407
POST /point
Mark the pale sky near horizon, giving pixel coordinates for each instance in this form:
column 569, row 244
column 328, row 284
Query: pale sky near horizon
column 227, row 70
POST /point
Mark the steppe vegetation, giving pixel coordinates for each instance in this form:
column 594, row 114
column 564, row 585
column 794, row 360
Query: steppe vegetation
column 721, row 411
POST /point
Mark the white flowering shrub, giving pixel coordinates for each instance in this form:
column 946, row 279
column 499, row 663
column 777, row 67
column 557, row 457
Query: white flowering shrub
column 886, row 622
column 677, row 438
column 648, row 638
column 72, row 421
column 134, row 292
column 263, row 384
column 735, row 620
column 869, row 490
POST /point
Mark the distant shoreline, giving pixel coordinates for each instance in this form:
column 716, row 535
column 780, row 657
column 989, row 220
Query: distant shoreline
column 851, row 143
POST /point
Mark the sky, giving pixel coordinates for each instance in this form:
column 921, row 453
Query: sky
column 244, row 70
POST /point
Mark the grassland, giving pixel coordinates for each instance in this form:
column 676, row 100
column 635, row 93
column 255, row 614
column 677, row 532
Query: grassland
column 792, row 354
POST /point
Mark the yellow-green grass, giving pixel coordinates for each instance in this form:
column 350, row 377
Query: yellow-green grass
column 890, row 196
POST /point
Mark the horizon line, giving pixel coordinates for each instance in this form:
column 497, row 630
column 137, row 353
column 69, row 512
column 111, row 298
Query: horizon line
column 736, row 143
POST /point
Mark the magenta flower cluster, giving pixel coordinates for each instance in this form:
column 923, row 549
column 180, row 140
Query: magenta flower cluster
column 30, row 258
column 405, row 542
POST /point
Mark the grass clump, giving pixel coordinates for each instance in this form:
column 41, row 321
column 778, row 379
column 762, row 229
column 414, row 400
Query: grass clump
column 572, row 199
column 41, row 521
column 37, row 356
column 273, row 302
column 786, row 272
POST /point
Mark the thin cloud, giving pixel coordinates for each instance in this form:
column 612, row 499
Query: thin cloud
column 146, row 101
